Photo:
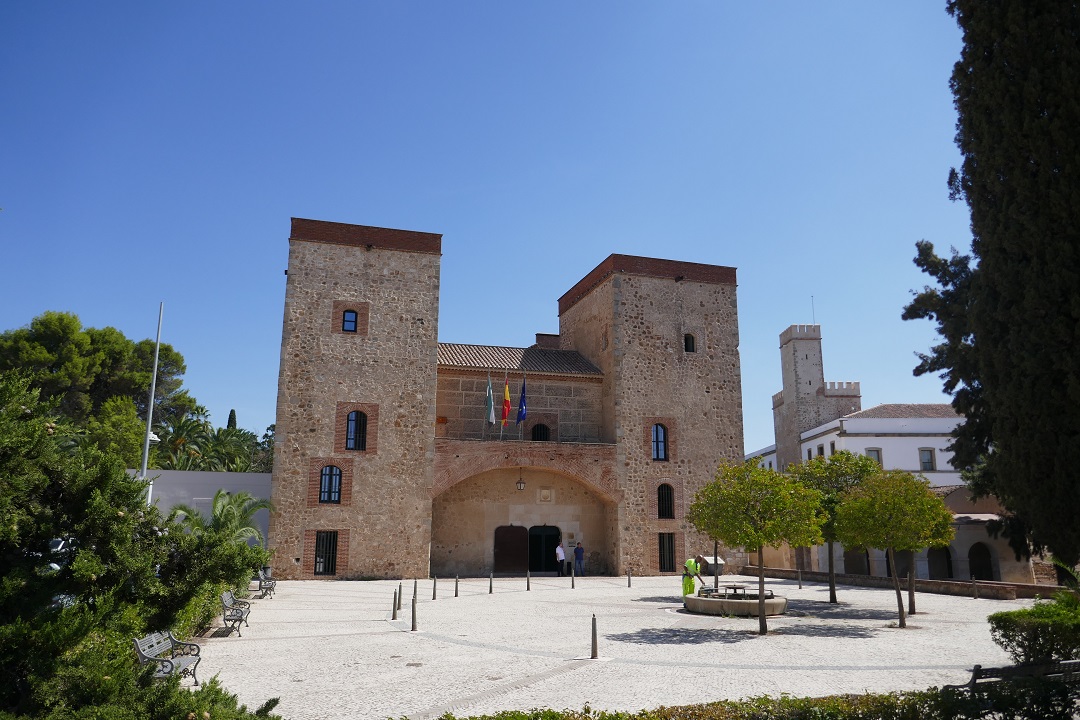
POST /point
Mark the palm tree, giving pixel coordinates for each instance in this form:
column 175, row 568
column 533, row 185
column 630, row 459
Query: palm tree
column 232, row 516
column 183, row 444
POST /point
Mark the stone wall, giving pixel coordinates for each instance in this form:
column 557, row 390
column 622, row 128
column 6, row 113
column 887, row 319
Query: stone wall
column 389, row 370
column 570, row 407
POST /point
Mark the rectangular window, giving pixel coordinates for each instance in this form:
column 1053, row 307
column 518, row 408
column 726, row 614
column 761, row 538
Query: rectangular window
column 667, row 552
column 874, row 454
column 770, row 464
column 809, row 454
column 326, row 552
column 832, row 447
column 821, row 451
column 926, row 460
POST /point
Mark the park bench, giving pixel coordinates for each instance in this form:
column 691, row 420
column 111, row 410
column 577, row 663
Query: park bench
column 170, row 656
column 234, row 612
column 266, row 584
column 1067, row 671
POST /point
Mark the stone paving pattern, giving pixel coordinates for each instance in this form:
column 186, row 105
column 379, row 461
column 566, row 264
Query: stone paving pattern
column 330, row 649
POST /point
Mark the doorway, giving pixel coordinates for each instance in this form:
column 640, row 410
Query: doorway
column 511, row 549
column 543, row 539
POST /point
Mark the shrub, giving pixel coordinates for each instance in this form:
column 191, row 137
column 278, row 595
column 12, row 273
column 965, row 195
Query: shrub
column 1047, row 631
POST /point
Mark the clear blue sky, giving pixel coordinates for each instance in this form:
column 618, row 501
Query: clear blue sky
column 156, row 151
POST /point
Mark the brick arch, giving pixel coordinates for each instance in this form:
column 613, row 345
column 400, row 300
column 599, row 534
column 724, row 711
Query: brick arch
column 590, row 464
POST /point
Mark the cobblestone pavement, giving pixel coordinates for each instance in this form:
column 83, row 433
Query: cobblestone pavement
column 331, row 650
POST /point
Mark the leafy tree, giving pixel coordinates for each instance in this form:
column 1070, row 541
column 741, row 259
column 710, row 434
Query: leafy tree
column 1008, row 315
column 751, row 507
column 67, row 618
column 893, row 511
column 233, row 517
column 264, row 454
column 117, row 430
column 183, row 443
column 831, row 477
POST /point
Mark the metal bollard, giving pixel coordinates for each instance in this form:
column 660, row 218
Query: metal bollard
column 434, row 585
column 491, row 583
column 799, row 571
column 594, row 654
column 414, row 614
column 628, row 577
column 528, row 580
column 395, row 606
column 455, row 585
column 414, row 584
column 399, row 598
column 572, row 577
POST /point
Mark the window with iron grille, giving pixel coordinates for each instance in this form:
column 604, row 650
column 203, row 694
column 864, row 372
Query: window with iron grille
column 665, row 502
column 348, row 321
column 541, row 432
column 326, row 552
column 330, row 484
column 356, row 431
column 659, row 442
column 667, row 552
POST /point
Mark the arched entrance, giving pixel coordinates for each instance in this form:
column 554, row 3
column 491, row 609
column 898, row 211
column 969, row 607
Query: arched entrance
column 980, row 563
column 543, row 539
column 511, row 549
column 939, row 563
column 856, row 562
column 904, row 559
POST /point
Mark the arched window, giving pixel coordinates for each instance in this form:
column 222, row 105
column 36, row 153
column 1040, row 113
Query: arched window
column 665, row 502
column 659, row 442
column 348, row 321
column 330, row 484
column 356, row 431
column 541, row 432
column 688, row 343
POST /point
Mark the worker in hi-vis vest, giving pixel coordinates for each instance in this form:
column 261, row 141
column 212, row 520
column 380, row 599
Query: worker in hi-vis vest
column 691, row 570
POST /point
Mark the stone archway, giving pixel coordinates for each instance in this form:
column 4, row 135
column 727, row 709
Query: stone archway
column 466, row 516
column 980, row 562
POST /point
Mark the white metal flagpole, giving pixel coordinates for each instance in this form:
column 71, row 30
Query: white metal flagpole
column 150, row 410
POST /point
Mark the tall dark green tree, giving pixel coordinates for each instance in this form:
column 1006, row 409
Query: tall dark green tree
column 1010, row 316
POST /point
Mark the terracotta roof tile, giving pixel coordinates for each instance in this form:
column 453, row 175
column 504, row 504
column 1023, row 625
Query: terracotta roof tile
column 533, row 359
column 912, row 410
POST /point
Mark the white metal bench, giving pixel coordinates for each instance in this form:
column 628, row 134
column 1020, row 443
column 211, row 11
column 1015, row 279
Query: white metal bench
column 234, row 612
column 169, row 655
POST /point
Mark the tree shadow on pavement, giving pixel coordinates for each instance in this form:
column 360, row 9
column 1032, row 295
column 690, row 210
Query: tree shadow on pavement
column 838, row 611
column 682, row 636
column 666, row 599
column 824, row 631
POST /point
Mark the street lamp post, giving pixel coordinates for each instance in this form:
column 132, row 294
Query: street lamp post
column 150, row 411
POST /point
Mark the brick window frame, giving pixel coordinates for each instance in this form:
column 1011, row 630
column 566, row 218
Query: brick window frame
column 315, row 466
column 307, row 563
column 677, row 499
column 549, row 419
column 363, row 311
column 670, row 425
column 341, row 424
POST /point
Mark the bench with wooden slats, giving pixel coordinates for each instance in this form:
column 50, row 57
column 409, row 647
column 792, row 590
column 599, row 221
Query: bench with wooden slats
column 169, row 655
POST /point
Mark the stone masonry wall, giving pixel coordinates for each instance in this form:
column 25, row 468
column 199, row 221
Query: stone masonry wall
column 570, row 407
column 388, row 371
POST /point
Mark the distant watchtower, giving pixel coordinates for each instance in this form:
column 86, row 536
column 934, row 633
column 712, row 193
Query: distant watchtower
column 806, row 400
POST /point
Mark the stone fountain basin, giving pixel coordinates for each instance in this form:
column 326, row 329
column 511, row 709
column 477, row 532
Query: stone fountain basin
column 742, row 606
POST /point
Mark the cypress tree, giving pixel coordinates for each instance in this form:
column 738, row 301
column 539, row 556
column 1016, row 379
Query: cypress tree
column 232, row 420
column 1011, row 324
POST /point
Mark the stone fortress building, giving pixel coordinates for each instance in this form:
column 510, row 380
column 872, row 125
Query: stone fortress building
column 386, row 464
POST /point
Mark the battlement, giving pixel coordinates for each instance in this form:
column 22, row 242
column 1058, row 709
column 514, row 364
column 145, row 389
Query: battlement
column 778, row 399
column 800, row 332
column 842, row 389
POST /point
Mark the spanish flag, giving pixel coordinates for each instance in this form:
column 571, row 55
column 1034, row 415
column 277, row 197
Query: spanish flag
column 506, row 401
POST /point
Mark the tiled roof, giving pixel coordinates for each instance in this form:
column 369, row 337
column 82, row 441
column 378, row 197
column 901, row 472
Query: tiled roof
column 533, row 359
column 913, row 410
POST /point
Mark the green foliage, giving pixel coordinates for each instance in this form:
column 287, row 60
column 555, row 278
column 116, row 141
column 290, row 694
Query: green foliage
column 232, row 517
column 750, row 506
column 1008, row 316
column 67, row 618
column 894, row 511
column 117, row 430
column 1036, row 700
column 1049, row 630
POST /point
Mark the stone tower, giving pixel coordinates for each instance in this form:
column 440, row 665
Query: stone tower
column 665, row 335
column 806, row 400
column 354, row 446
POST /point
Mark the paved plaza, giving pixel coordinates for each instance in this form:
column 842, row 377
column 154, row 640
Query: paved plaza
column 331, row 650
